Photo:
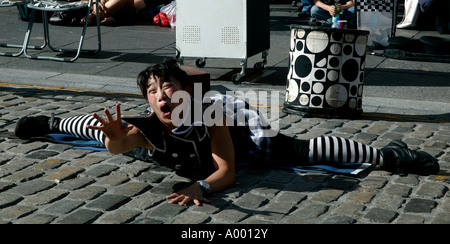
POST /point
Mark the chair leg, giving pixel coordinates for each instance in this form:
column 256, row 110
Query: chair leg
column 77, row 51
column 9, row 54
column 26, row 40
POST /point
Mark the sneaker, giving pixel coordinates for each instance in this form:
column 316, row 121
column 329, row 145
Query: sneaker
column 66, row 18
column 57, row 18
column 312, row 21
column 318, row 22
column 28, row 127
column 397, row 158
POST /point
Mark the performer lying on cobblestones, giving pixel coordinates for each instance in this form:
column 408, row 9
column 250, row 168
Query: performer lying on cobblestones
column 208, row 153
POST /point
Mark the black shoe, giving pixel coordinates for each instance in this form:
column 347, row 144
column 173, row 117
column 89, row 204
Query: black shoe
column 28, row 127
column 397, row 158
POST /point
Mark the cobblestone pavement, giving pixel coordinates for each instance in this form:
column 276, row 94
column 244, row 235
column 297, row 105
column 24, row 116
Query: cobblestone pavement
column 43, row 182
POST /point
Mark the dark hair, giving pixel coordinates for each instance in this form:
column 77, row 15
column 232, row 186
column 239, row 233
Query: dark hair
column 167, row 70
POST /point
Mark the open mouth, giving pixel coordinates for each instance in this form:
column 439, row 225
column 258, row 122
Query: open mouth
column 165, row 109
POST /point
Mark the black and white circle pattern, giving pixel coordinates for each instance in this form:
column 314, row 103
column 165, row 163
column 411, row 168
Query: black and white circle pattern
column 326, row 68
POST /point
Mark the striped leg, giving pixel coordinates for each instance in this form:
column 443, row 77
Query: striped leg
column 336, row 150
column 76, row 126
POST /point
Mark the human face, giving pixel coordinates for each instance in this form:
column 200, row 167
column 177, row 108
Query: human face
column 159, row 96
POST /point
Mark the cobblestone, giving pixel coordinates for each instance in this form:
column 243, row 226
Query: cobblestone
column 132, row 189
column 120, row 216
column 229, row 216
column 45, row 197
column 64, row 174
column 432, row 190
column 32, row 187
column 379, row 215
column 420, row 205
column 15, row 212
column 64, row 206
column 100, row 170
column 7, row 200
column 23, row 175
column 43, row 182
column 166, row 211
column 108, row 202
column 81, row 216
column 88, row 193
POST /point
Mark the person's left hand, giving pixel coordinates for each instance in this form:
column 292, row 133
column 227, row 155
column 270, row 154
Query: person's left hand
column 192, row 193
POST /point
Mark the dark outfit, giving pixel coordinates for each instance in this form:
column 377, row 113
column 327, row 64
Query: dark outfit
column 435, row 14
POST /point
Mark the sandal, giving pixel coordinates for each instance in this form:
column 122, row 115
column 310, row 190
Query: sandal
column 92, row 20
column 108, row 21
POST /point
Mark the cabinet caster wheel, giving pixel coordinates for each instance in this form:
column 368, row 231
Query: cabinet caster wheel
column 200, row 63
column 237, row 79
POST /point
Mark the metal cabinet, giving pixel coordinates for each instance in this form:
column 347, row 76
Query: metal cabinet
column 236, row 29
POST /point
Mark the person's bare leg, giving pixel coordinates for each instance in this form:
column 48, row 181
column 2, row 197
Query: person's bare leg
column 109, row 7
column 113, row 6
column 139, row 4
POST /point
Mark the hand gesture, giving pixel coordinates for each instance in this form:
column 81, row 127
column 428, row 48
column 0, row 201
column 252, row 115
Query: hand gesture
column 114, row 129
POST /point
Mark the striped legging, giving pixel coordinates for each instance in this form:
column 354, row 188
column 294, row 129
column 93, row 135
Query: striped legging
column 77, row 126
column 331, row 149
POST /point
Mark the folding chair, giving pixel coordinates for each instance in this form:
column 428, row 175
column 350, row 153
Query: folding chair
column 46, row 6
column 379, row 17
column 15, row 3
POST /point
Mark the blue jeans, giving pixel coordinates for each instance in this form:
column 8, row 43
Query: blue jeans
column 319, row 13
column 306, row 5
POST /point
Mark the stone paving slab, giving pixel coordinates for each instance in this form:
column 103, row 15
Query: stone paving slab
column 43, row 182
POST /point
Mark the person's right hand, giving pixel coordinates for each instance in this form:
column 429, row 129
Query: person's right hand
column 114, row 129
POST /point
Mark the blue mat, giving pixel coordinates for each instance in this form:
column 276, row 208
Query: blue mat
column 346, row 168
column 76, row 142
column 352, row 169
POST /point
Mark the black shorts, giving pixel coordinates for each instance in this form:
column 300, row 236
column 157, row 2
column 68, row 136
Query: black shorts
column 288, row 151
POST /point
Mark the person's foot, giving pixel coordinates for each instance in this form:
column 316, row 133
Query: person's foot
column 109, row 21
column 28, row 127
column 92, row 20
column 397, row 158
